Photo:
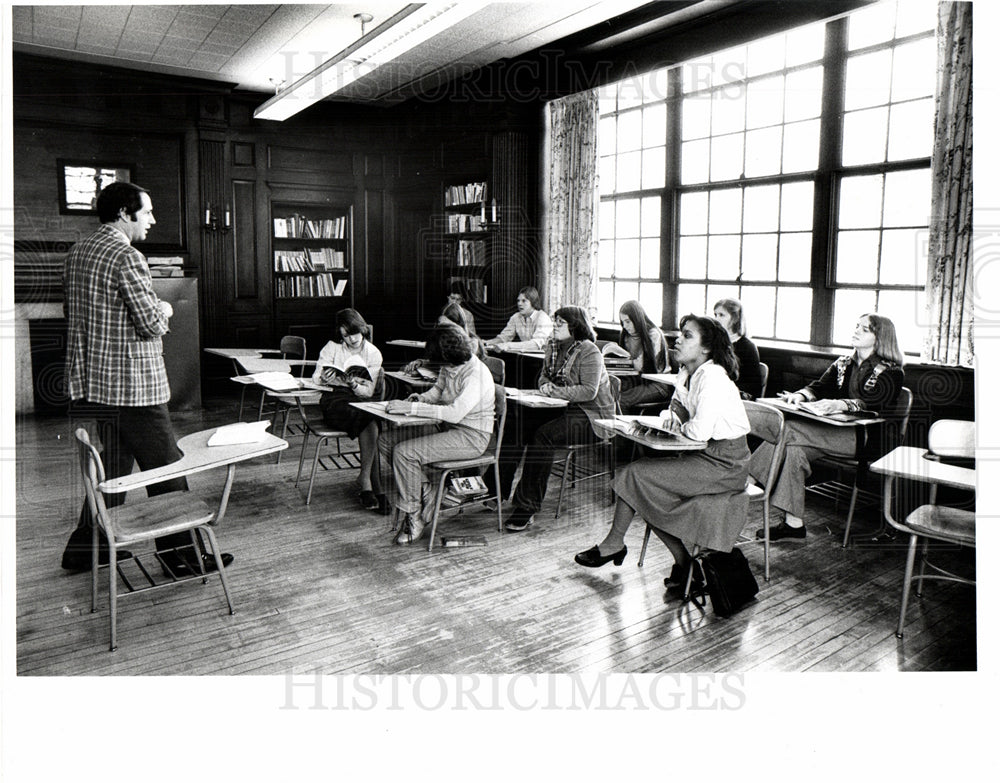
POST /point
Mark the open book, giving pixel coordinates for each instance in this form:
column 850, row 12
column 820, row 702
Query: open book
column 614, row 350
column 337, row 374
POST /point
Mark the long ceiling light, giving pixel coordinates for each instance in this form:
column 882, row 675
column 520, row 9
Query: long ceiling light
column 415, row 24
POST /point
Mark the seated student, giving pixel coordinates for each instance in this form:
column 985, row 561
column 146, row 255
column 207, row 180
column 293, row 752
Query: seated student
column 454, row 315
column 869, row 378
column 528, row 328
column 573, row 370
column 351, row 366
column 457, row 297
column 462, row 399
column 729, row 313
column 647, row 348
column 690, row 497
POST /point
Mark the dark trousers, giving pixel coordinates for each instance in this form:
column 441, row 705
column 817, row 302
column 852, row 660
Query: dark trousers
column 538, row 434
column 129, row 435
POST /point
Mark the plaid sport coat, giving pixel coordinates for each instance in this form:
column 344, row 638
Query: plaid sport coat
column 114, row 354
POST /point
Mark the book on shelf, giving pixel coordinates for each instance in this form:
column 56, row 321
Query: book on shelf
column 301, row 227
column 470, row 252
column 459, row 223
column 471, row 193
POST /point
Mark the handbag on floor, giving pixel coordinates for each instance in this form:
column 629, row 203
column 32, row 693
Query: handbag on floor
column 729, row 580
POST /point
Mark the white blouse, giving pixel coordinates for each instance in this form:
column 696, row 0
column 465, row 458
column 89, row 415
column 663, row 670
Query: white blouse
column 713, row 402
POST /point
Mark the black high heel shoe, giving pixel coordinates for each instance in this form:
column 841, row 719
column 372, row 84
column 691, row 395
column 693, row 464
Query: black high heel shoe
column 593, row 558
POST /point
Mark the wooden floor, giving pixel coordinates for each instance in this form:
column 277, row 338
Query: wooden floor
column 321, row 588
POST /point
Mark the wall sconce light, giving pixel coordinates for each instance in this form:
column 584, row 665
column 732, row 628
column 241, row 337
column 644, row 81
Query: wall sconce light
column 494, row 221
column 212, row 222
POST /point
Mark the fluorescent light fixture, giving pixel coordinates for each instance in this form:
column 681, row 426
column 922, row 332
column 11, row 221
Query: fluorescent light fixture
column 415, row 24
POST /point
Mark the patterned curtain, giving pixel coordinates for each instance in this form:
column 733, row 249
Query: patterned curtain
column 949, row 274
column 570, row 276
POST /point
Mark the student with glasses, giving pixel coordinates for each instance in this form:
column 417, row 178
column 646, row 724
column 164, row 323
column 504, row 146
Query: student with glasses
column 573, row 370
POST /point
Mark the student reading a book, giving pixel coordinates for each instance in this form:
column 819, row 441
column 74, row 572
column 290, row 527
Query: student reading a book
column 351, row 367
column 869, row 378
column 690, row 497
column 729, row 313
column 462, row 401
column 644, row 344
column 528, row 328
column 573, row 370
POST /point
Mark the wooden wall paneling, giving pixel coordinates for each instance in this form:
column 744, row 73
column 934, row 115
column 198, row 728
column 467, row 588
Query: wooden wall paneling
column 247, row 281
column 217, row 295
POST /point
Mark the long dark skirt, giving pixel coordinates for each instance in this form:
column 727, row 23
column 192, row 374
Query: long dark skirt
column 338, row 413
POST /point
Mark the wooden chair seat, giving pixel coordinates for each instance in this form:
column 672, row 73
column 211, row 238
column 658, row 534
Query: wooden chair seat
column 175, row 512
column 955, row 525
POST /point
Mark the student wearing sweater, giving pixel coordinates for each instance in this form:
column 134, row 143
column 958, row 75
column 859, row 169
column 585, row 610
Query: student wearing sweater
column 462, row 401
column 729, row 313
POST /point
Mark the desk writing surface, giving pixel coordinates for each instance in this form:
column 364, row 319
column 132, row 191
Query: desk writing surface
column 408, row 343
column 413, row 380
column 840, row 419
column 235, row 353
column 659, row 441
column 669, row 378
column 533, row 399
column 400, row 419
column 907, row 462
column 198, row 456
column 252, row 364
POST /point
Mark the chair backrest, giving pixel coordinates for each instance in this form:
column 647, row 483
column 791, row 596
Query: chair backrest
column 293, row 347
column 497, row 369
column 952, row 438
column 616, row 392
column 764, row 372
column 768, row 424
column 499, row 416
column 904, row 403
column 93, row 474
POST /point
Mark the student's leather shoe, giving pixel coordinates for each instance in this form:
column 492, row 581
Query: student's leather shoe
column 411, row 530
column 678, row 575
column 80, row 561
column 184, row 565
column 368, row 500
column 519, row 520
column 593, row 558
column 782, row 530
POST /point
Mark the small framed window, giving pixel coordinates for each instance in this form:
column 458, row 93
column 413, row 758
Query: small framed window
column 81, row 180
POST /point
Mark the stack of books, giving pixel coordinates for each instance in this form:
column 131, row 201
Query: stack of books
column 462, row 489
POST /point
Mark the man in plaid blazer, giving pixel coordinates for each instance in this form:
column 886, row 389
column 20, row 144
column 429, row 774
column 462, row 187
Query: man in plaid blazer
column 114, row 363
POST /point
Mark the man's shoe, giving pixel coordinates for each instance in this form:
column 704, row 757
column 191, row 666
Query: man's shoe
column 783, row 530
column 80, row 561
column 519, row 520
column 411, row 530
column 368, row 500
column 183, row 565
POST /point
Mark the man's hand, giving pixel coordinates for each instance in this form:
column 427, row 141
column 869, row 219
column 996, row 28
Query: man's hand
column 398, row 406
column 167, row 309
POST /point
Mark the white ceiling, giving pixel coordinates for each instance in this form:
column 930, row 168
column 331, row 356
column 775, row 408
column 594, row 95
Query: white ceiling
column 257, row 46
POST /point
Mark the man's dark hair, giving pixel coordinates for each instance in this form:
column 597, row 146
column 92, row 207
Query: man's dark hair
column 116, row 197
column 530, row 293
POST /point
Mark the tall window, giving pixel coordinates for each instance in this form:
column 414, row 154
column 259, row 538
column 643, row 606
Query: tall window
column 795, row 175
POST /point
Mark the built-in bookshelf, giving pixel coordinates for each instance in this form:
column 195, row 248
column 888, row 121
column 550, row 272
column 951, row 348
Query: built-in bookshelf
column 310, row 251
column 467, row 218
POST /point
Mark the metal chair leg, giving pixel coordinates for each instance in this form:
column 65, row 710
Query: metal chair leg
column 218, row 565
column 312, row 473
column 113, row 592
column 302, row 455
column 907, row 576
column 567, row 466
column 850, row 516
column 437, row 507
column 645, row 543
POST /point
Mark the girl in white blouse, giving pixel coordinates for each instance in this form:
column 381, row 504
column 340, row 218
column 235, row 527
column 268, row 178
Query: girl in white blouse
column 691, row 497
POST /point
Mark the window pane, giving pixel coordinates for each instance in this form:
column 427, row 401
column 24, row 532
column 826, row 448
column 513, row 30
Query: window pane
column 690, row 299
column 865, row 135
column 794, row 314
column 629, row 93
column 860, row 202
column 797, row 206
column 651, row 299
column 629, row 131
column 624, row 292
column 696, row 75
column 606, row 312
column 805, row 45
column 763, row 152
column 606, row 258
column 696, row 117
column 727, row 110
column 801, row 146
column 723, row 257
column 907, row 198
column 654, row 125
column 649, row 266
column 606, row 98
column 848, row 306
column 916, row 17
column 765, row 56
column 758, row 308
column 765, row 101
column 913, row 69
column 727, row 157
column 803, row 94
column 655, row 86
column 627, row 221
column 794, row 257
column 760, row 254
column 729, row 66
column 725, row 211
column 691, row 262
column 627, row 258
column 694, row 213
column 760, row 208
column 857, row 256
column 906, row 310
column 650, row 216
column 654, row 167
column 870, row 26
column 606, row 135
column 911, row 130
column 868, row 80
column 629, row 172
column 713, row 293
column 904, row 257
column 607, row 175
column 694, row 162
column 606, row 216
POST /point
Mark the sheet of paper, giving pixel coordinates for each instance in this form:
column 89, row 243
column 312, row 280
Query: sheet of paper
column 241, row 432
